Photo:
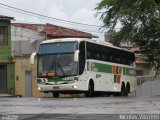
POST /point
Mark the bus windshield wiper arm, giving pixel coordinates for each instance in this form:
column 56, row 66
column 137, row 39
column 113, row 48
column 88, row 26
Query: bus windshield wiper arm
column 61, row 68
column 50, row 67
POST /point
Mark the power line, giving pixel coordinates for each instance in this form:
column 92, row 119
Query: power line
column 74, row 27
column 26, row 13
column 44, row 16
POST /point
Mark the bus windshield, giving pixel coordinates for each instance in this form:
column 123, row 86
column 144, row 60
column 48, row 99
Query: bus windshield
column 55, row 48
column 57, row 59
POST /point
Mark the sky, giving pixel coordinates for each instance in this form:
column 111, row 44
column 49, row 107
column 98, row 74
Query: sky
column 81, row 11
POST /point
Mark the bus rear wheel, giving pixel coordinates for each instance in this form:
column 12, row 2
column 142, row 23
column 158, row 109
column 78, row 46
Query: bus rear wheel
column 55, row 94
column 127, row 89
column 123, row 90
column 90, row 92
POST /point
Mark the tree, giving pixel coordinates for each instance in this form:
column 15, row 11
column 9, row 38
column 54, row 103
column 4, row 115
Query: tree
column 140, row 20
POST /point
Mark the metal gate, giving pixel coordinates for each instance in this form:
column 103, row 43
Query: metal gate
column 3, row 79
column 148, row 85
column 28, row 84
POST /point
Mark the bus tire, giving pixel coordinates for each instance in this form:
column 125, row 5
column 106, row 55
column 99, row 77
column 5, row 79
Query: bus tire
column 90, row 92
column 127, row 89
column 55, row 94
column 123, row 90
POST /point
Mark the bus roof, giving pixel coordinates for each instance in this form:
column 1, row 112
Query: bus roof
column 95, row 41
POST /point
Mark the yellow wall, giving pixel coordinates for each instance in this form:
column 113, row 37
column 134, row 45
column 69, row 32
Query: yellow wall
column 22, row 64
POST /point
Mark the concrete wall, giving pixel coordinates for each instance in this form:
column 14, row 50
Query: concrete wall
column 25, row 41
column 22, row 65
column 149, row 88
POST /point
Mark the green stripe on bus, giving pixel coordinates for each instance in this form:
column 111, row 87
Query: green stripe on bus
column 124, row 70
column 130, row 71
column 117, row 69
column 115, row 78
column 100, row 67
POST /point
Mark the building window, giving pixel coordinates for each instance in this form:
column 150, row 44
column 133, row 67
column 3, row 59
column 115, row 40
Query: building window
column 3, row 35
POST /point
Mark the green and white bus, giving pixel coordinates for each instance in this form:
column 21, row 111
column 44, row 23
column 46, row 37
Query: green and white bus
column 79, row 65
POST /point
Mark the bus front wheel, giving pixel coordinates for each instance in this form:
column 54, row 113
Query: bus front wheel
column 90, row 92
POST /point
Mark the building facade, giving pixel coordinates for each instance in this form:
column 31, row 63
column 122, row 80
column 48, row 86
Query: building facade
column 7, row 66
column 24, row 42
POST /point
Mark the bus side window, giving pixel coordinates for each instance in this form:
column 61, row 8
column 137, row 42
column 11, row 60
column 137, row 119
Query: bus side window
column 90, row 51
column 118, row 58
column 104, row 57
column 110, row 58
column 107, row 58
column 88, row 55
column 98, row 56
column 126, row 59
column 130, row 60
column 113, row 57
column 123, row 59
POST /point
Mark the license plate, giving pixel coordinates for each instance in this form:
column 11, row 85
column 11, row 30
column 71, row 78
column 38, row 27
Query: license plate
column 56, row 87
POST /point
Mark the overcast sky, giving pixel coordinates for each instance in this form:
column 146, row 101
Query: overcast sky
column 81, row 11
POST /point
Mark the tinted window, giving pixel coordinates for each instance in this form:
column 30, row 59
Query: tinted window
column 57, row 48
column 108, row 54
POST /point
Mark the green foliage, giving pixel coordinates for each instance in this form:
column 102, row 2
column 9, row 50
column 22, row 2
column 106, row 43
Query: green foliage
column 140, row 20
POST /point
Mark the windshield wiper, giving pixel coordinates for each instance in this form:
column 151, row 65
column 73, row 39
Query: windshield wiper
column 50, row 67
column 61, row 68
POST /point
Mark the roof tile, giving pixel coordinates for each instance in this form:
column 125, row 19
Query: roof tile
column 56, row 31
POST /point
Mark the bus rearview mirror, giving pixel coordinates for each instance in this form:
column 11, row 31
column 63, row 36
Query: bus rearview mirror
column 32, row 57
column 76, row 56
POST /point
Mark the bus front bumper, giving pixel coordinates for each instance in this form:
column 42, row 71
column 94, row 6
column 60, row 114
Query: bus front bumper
column 58, row 87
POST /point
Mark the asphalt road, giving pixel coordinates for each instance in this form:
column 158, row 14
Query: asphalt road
column 79, row 108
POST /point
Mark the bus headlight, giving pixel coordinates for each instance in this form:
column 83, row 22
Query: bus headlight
column 39, row 88
column 75, row 86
